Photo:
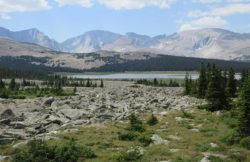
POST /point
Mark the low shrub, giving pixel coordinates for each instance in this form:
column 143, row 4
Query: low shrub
column 186, row 114
column 135, row 124
column 133, row 154
column 238, row 156
column 153, row 120
column 231, row 138
column 245, row 142
column 131, row 136
column 40, row 151
column 215, row 159
column 145, row 140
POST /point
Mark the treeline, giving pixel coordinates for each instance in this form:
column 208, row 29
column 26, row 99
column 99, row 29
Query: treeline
column 71, row 82
column 25, row 89
column 28, row 74
column 158, row 82
column 54, row 86
column 215, row 85
column 168, row 63
column 223, row 92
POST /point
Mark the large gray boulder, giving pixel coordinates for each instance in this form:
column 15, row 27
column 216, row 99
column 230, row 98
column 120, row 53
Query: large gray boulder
column 7, row 114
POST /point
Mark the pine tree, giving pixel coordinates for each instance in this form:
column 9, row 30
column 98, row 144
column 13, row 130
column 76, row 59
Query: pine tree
column 202, row 84
column 88, row 83
column 215, row 94
column 244, row 107
column 155, row 82
column 102, row 85
column 24, row 83
column 231, row 84
column 135, row 123
column 187, row 85
column 12, row 85
column 2, row 84
column 152, row 121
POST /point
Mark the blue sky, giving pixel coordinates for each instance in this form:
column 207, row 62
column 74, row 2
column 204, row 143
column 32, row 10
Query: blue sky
column 62, row 19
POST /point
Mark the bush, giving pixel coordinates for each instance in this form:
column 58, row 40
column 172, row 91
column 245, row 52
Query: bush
column 231, row 138
column 133, row 154
column 215, row 159
column 131, row 136
column 152, row 121
column 135, row 124
column 245, row 142
column 40, row 151
column 186, row 114
column 145, row 140
column 238, row 156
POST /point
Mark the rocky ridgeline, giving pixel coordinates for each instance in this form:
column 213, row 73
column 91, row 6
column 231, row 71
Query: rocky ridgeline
column 23, row 119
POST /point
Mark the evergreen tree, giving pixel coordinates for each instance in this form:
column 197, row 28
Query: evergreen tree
column 231, row 84
column 156, row 82
column 101, row 85
column 135, row 123
column 12, row 85
column 225, row 77
column 24, row 83
column 88, row 83
column 2, row 84
column 187, row 85
column 244, row 107
column 152, row 121
column 202, row 84
column 215, row 94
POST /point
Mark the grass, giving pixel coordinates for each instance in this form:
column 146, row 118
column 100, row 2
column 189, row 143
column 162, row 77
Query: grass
column 104, row 139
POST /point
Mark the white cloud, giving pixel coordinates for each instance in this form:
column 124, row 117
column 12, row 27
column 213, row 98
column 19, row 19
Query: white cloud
column 82, row 3
column 5, row 16
column 231, row 9
column 207, row 1
column 204, row 22
column 119, row 4
column 135, row 4
column 10, row 6
column 220, row 1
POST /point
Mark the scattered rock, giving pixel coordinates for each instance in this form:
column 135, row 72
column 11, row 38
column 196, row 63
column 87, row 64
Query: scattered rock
column 7, row 114
column 17, row 125
column 158, row 140
column 213, row 145
column 6, row 141
column 2, row 158
column 173, row 137
column 195, row 130
column 47, row 101
column 90, row 106
column 174, row 150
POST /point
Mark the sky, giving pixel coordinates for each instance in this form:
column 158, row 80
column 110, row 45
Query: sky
column 63, row 19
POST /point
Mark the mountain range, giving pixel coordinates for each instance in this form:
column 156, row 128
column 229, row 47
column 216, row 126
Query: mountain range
column 203, row 43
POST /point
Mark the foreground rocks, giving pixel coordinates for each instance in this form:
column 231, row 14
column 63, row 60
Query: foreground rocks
column 23, row 119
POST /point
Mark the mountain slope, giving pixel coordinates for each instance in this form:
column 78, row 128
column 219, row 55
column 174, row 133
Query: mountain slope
column 206, row 43
column 203, row 43
column 10, row 47
column 89, row 42
column 30, row 36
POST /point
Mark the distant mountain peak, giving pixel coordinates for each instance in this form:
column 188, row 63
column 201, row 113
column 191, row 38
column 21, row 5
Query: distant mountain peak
column 205, row 43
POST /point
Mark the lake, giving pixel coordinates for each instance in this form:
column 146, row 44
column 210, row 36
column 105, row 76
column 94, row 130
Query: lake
column 135, row 76
column 138, row 76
